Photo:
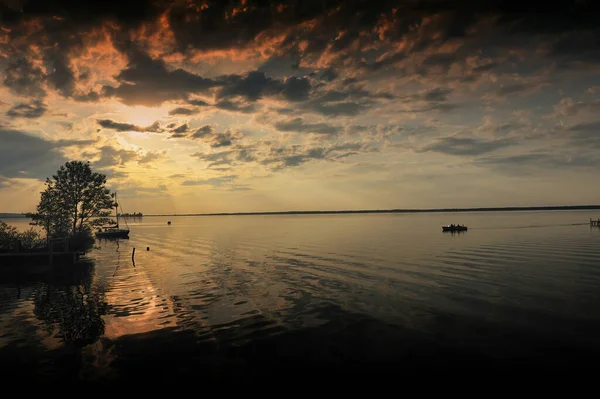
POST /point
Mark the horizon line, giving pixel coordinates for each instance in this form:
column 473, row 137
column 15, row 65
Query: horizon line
column 396, row 210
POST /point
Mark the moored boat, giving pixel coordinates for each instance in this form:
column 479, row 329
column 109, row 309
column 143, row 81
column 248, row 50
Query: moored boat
column 454, row 227
column 111, row 232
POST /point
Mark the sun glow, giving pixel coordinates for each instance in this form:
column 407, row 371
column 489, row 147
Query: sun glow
column 140, row 115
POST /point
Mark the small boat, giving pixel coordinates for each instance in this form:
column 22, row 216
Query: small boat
column 110, row 232
column 454, row 227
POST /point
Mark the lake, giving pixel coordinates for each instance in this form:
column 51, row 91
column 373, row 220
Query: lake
column 244, row 296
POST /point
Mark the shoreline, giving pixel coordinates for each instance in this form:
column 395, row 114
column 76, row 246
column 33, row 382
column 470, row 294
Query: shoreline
column 359, row 211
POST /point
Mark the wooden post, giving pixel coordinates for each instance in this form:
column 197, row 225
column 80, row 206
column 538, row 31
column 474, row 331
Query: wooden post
column 133, row 255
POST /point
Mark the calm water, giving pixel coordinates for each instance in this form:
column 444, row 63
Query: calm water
column 244, row 295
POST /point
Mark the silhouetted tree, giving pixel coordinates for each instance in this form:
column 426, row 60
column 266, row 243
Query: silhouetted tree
column 75, row 200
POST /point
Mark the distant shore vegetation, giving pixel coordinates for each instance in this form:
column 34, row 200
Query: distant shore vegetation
column 131, row 215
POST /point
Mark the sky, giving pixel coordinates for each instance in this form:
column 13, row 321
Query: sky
column 198, row 106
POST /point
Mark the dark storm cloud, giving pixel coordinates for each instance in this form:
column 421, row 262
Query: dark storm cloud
column 80, row 13
column 256, row 85
column 34, row 109
column 334, row 34
column 128, row 127
column 24, row 79
column 26, row 156
column 147, row 81
column 464, row 146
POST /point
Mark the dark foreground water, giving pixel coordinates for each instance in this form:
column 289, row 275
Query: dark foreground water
column 244, row 296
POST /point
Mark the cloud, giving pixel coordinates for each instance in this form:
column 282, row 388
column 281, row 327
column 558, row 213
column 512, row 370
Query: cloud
column 70, row 143
column 216, row 139
column 239, row 106
column 435, row 95
column 585, row 134
column 151, row 156
column 594, row 90
column 349, row 101
column 181, row 129
column 256, row 84
column 216, row 158
column 538, row 161
column 111, row 157
column 149, row 82
column 298, row 125
column 182, row 111
column 25, row 79
column 517, row 88
column 127, row 127
column 34, row 109
column 25, row 156
column 279, row 157
column 204, row 131
column 464, row 146
column 569, row 107
column 213, row 181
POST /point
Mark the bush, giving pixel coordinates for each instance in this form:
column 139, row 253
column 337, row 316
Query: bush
column 9, row 236
column 81, row 241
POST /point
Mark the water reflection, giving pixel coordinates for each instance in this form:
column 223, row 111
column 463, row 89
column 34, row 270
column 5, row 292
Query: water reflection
column 222, row 297
column 70, row 307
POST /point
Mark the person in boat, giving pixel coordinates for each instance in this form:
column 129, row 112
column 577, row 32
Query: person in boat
column 452, row 226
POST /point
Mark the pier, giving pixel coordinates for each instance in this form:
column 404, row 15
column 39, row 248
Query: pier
column 47, row 255
column 595, row 222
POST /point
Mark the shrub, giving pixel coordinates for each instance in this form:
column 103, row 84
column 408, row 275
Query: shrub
column 81, row 241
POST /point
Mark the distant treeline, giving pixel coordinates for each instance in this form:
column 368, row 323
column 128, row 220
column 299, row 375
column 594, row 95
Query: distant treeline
column 499, row 209
column 11, row 215
column 131, row 215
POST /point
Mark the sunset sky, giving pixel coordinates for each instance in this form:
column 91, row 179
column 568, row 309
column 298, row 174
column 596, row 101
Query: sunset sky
column 235, row 106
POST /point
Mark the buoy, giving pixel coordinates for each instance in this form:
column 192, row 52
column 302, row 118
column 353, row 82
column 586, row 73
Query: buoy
column 147, row 248
column 169, row 222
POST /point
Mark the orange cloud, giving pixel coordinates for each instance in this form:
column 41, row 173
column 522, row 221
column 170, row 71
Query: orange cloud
column 156, row 37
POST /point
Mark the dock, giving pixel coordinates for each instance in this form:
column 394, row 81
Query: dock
column 47, row 255
column 40, row 257
column 595, row 222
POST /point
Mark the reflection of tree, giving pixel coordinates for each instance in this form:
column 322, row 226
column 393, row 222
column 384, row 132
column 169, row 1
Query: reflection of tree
column 70, row 303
